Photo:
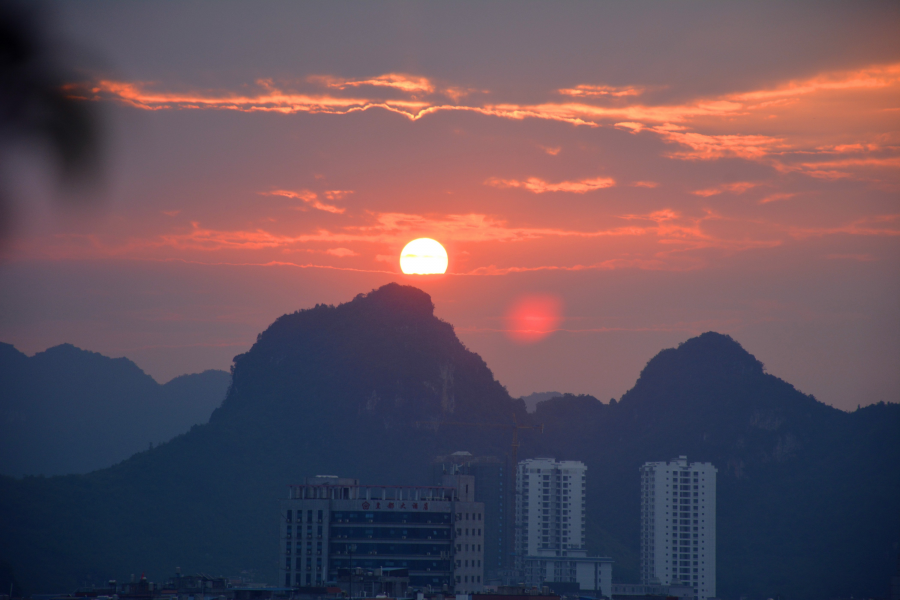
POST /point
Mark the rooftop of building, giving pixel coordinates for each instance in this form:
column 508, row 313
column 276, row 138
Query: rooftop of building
column 464, row 457
column 337, row 491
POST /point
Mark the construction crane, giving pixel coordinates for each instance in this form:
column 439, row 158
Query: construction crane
column 513, row 461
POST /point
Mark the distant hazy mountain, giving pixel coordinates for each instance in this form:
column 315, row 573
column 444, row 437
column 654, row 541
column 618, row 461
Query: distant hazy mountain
column 807, row 494
column 531, row 400
column 67, row 410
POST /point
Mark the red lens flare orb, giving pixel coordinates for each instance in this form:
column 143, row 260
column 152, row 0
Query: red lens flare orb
column 532, row 318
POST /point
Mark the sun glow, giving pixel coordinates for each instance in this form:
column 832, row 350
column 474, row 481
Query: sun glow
column 532, row 318
column 423, row 256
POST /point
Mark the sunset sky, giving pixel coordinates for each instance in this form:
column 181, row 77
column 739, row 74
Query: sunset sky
column 653, row 170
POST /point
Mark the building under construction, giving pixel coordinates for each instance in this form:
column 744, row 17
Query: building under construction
column 491, row 489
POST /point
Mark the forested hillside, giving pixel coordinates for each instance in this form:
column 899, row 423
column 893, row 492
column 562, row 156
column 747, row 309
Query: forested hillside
column 807, row 494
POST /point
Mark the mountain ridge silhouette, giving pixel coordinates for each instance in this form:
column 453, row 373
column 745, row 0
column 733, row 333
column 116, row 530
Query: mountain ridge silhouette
column 344, row 390
column 66, row 410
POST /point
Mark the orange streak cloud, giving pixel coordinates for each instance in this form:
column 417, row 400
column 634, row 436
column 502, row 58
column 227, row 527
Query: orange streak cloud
column 539, row 186
column 311, row 199
column 399, row 81
column 661, row 235
column 880, row 225
column 811, row 102
column 659, row 240
column 737, row 188
column 881, row 76
column 776, row 197
column 601, row 90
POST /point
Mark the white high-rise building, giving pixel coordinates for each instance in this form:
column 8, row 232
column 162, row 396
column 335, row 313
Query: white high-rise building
column 549, row 506
column 678, row 525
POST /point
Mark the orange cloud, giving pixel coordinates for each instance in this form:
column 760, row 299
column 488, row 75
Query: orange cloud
column 708, row 128
column 709, row 147
column 606, row 265
column 310, row 198
column 592, row 91
column 456, row 94
column 880, row 225
column 667, row 227
column 875, row 77
column 666, row 239
column 736, row 188
column 630, row 125
column 890, row 162
column 399, row 81
column 776, row 197
column 337, row 194
column 539, row 186
column 341, row 252
column 270, row 99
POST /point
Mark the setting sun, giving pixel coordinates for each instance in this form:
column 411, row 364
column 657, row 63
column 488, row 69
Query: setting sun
column 423, row 256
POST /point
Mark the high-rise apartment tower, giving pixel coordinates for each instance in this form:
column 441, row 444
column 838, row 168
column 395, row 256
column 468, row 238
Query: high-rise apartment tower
column 678, row 525
column 550, row 540
column 549, row 506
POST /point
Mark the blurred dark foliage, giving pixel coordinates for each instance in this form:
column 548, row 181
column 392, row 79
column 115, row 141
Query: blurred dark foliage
column 40, row 100
column 807, row 494
column 8, row 581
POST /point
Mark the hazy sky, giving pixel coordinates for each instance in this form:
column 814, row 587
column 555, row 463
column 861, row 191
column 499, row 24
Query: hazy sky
column 661, row 169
